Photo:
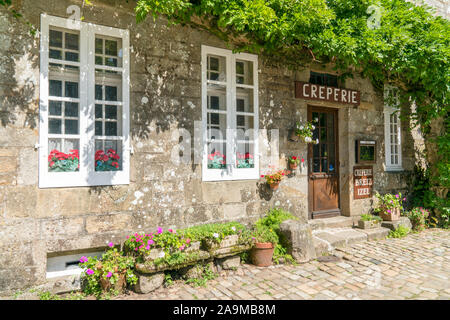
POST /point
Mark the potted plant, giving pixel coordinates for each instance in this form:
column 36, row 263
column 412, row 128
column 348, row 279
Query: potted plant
column 390, row 206
column 274, row 178
column 369, row 221
column 293, row 162
column 244, row 160
column 305, row 131
column 264, row 241
column 418, row 217
column 110, row 273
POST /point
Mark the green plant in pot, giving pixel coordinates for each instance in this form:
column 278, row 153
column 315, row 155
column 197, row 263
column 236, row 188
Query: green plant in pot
column 111, row 273
column 390, row 206
column 264, row 241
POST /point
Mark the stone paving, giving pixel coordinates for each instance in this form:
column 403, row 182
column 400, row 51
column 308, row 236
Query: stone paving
column 414, row 267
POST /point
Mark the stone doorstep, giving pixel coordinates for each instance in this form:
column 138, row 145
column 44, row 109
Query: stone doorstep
column 393, row 225
column 334, row 222
column 326, row 240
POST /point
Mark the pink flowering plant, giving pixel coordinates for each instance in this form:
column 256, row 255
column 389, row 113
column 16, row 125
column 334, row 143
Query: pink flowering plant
column 106, row 274
column 418, row 217
column 389, row 201
column 167, row 242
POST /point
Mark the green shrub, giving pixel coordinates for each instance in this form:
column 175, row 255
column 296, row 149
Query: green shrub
column 110, row 267
column 263, row 234
column 400, row 232
column 418, row 217
column 370, row 217
column 272, row 220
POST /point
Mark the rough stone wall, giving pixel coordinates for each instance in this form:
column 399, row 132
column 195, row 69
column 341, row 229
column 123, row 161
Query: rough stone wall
column 165, row 68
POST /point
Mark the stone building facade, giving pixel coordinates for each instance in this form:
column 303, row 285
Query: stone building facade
column 165, row 96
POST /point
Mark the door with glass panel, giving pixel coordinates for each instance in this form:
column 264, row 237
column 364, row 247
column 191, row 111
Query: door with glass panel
column 323, row 164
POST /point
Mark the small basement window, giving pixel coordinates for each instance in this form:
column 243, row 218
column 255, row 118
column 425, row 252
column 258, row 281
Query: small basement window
column 66, row 265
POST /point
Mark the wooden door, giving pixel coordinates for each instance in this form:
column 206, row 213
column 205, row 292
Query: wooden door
column 323, row 164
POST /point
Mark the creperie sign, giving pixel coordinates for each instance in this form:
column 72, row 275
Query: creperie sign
column 305, row 90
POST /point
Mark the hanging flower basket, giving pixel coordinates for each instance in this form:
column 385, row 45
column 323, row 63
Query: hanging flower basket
column 273, row 179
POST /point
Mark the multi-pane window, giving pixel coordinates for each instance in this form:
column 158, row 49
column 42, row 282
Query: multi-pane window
column 324, row 79
column 392, row 129
column 230, row 115
column 84, row 104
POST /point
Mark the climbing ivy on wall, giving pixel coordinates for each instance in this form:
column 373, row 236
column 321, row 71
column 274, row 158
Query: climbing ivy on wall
column 387, row 41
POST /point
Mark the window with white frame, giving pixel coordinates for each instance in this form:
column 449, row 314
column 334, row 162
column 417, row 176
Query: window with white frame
column 230, row 115
column 392, row 130
column 84, row 104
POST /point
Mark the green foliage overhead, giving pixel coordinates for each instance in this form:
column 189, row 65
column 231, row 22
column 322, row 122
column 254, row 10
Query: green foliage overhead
column 387, row 41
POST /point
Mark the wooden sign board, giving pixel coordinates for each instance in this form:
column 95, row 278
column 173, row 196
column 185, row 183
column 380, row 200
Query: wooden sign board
column 310, row 91
column 362, row 182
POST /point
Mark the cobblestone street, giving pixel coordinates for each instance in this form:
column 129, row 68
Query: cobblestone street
column 415, row 267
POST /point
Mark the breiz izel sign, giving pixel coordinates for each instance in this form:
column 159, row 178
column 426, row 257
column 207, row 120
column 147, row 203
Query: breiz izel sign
column 305, row 90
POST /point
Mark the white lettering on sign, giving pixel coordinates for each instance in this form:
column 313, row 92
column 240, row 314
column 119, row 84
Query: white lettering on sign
column 363, row 172
column 318, row 92
column 304, row 90
column 363, row 192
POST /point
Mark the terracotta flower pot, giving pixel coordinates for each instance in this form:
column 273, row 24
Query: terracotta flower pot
column 274, row 186
column 261, row 254
column 393, row 215
column 293, row 166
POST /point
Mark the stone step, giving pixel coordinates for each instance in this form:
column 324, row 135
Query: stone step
column 334, row 222
column 326, row 240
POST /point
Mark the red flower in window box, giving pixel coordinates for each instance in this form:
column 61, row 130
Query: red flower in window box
column 62, row 162
column 106, row 161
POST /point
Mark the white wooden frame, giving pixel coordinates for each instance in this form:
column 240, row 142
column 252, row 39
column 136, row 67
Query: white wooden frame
column 86, row 176
column 388, row 111
column 231, row 172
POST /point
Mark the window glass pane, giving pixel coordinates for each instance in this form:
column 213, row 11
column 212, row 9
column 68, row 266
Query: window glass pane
column 98, row 128
column 98, row 60
column 71, row 126
column 71, row 109
column 110, row 93
column 111, row 112
column 111, row 47
column 55, row 88
column 98, row 45
column 55, row 54
column 216, row 68
column 72, row 56
column 110, row 128
column 245, row 126
column 71, row 89
column 244, row 72
column 245, row 155
column 71, row 41
column 98, row 111
column 244, row 100
column 54, row 126
column 216, row 97
column 98, row 92
column 111, row 62
column 55, row 108
column 324, row 165
column 55, row 38
column 316, row 148
column 217, row 125
column 316, row 165
column 108, row 155
column 323, row 150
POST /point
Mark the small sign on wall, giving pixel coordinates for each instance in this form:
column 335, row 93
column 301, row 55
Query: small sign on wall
column 362, row 182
